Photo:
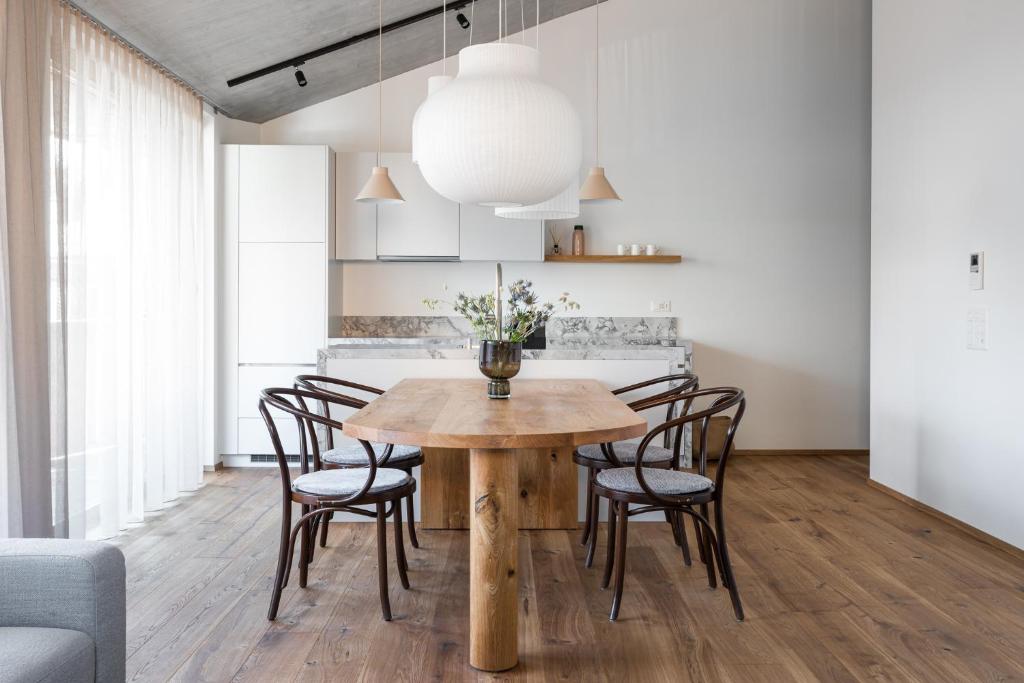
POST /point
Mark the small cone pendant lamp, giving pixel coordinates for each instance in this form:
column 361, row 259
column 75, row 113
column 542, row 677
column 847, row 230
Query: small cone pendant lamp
column 379, row 189
column 596, row 189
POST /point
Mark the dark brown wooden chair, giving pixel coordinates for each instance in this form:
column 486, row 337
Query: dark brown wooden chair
column 675, row 491
column 349, row 455
column 321, row 491
column 597, row 457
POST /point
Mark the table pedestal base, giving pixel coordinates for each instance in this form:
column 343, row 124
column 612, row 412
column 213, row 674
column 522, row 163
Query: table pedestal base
column 493, row 584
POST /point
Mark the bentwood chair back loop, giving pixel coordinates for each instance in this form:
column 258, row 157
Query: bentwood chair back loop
column 726, row 399
column 316, row 382
column 282, row 399
column 685, row 382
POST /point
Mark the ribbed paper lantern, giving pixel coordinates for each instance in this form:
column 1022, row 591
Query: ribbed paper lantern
column 497, row 135
column 566, row 204
column 434, row 83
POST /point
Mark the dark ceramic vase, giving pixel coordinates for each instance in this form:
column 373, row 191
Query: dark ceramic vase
column 500, row 361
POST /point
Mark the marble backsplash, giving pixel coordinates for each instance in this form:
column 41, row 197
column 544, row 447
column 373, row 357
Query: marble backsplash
column 562, row 332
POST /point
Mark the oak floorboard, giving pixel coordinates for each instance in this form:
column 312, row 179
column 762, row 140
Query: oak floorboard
column 839, row 582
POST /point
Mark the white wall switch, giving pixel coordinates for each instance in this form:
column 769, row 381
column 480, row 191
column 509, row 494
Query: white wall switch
column 977, row 272
column 661, row 307
column 977, row 329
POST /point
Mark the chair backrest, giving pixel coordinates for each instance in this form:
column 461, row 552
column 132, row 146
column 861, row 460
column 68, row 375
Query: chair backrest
column 678, row 383
column 293, row 402
column 722, row 400
column 316, row 383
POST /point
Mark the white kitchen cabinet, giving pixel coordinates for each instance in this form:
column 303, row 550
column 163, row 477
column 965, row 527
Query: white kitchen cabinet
column 356, row 222
column 282, row 302
column 485, row 237
column 425, row 226
column 254, row 437
column 284, row 193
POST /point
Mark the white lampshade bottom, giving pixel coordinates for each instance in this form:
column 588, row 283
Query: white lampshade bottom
column 565, row 204
column 498, row 205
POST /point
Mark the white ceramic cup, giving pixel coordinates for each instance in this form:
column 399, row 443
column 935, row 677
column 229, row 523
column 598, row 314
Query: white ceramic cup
column 620, row 249
column 652, row 249
column 635, row 249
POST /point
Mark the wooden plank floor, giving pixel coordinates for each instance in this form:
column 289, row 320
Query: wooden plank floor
column 839, row 582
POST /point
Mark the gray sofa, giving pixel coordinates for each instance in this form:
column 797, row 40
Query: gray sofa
column 62, row 611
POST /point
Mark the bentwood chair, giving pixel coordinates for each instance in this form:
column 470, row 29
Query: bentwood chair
column 351, row 455
column 597, row 457
column 320, row 492
column 675, row 491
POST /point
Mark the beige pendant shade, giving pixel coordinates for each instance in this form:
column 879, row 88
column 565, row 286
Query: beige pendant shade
column 379, row 189
column 596, row 188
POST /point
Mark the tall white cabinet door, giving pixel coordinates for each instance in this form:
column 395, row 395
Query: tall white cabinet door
column 426, row 225
column 485, row 237
column 282, row 290
column 356, row 223
column 283, row 193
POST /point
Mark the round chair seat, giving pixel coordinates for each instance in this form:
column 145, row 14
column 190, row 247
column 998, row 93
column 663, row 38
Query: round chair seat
column 355, row 454
column 348, row 481
column 664, row 482
column 626, row 453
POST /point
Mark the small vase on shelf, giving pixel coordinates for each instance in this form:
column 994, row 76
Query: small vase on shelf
column 577, row 241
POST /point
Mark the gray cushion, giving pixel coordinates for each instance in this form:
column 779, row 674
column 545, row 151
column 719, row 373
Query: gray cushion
column 31, row 654
column 355, row 454
column 74, row 585
column 347, row 482
column 626, row 453
column 666, row 482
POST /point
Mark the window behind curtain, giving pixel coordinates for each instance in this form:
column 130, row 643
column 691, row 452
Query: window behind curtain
column 128, row 286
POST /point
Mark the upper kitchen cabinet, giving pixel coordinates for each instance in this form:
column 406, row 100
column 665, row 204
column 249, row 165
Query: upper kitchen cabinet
column 356, row 222
column 425, row 226
column 285, row 193
column 485, row 237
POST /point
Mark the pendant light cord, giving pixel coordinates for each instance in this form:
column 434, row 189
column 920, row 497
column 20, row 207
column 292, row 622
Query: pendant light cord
column 536, row 28
column 380, row 72
column 444, row 38
column 472, row 20
column 597, row 83
column 522, row 22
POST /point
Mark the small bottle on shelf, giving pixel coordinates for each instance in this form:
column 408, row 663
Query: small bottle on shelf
column 577, row 241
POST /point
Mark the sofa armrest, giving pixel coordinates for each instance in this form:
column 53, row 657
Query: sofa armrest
column 78, row 585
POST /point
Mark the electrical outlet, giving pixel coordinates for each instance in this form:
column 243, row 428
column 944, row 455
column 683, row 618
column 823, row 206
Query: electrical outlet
column 977, row 329
column 661, row 307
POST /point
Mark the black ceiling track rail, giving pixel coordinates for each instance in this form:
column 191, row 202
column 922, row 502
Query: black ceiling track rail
column 298, row 60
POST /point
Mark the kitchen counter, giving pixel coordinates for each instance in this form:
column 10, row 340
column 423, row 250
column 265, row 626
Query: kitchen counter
column 386, row 348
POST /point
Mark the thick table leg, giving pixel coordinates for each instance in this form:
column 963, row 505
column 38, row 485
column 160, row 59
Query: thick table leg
column 493, row 584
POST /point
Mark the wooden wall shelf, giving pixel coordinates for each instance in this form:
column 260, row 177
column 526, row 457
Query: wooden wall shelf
column 614, row 258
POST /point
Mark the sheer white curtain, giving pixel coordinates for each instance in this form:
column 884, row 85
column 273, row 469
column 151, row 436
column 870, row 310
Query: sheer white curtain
column 130, row 235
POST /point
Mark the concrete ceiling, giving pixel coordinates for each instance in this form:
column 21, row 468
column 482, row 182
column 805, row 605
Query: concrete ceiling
column 206, row 43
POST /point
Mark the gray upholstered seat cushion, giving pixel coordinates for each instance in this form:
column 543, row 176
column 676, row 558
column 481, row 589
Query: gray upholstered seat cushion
column 666, row 482
column 355, row 454
column 32, row 654
column 626, row 453
column 347, row 482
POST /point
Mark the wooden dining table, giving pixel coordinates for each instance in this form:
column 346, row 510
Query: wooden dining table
column 456, row 414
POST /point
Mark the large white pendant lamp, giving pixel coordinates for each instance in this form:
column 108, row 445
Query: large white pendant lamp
column 379, row 189
column 596, row 189
column 565, row 204
column 434, row 83
column 497, row 135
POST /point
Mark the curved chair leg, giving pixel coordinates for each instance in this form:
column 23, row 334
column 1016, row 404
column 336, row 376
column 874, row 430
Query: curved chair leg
column 323, row 528
column 671, row 519
column 679, row 524
column 403, row 565
column 304, row 549
column 281, row 579
column 700, row 539
column 620, row 560
column 590, row 508
column 382, row 562
column 595, row 519
column 709, row 545
column 412, row 522
column 723, row 559
column 609, row 558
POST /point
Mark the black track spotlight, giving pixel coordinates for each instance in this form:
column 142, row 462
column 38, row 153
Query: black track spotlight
column 300, row 77
column 463, row 21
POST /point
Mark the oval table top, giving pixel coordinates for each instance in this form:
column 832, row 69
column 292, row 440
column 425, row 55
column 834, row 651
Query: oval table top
column 456, row 413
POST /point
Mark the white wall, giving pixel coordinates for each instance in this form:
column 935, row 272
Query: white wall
column 737, row 131
column 948, row 179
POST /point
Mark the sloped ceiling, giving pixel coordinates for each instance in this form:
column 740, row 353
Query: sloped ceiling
column 207, row 42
